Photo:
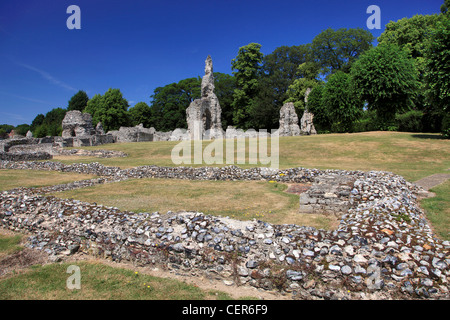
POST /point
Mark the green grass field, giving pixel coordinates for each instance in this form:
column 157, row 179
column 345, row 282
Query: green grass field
column 411, row 155
column 10, row 179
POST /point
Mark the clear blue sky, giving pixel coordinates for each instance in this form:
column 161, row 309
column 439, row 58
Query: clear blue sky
column 138, row 45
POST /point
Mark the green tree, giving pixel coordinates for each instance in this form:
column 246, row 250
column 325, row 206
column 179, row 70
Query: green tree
column 22, row 129
column 340, row 102
column 386, row 79
column 246, row 69
column 336, row 50
column 279, row 69
column 55, row 116
column 7, row 127
column 78, row 101
column 140, row 113
column 411, row 35
column 51, row 124
column 322, row 120
column 169, row 104
column 297, row 90
column 225, row 85
column 94, row 104
column 445, row 7
column 109, row 109
column 437, row 75
column 38, row 120
column 41, row 131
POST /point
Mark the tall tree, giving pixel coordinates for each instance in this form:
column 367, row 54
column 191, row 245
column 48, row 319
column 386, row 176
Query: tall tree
column 386, row 78
column 316, row 105
column 169, row 104
column 340, row 102
column 246, row 67
column 78, row 101
column 50, row 124
column 109, row 109
column 37, row 121
column 297, row 90
column 225, row 85
column 140, row 113
column 438, row 71
column 336, row 50
column 411, row 35
column 279, row 69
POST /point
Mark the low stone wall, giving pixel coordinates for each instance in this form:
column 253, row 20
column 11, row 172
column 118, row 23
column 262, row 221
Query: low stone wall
column 89, row 153
column 383, row 245
column 24, row 156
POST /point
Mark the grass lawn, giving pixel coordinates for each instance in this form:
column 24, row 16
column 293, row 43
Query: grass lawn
column 438, row 209
column 10, row 179
column 98, row 282
column 262, row 200
column 411, row 155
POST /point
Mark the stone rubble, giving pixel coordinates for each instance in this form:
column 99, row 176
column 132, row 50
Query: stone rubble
column 383, row 247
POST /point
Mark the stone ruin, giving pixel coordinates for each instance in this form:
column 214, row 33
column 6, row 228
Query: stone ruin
column 78, row 131
column 133, row 134
column 77, row 124
column 306, row 122
column 288, row 121
column 206, row 111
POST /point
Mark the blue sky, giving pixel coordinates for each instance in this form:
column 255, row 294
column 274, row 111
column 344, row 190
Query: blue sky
column 138, row 45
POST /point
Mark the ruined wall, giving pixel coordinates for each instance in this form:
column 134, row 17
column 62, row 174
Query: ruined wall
column 206, row 111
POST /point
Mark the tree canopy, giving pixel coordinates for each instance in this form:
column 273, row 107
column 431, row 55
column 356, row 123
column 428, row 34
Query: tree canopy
column 246, row 69
column 78, row 101
column 336, row 50
column 385, row 77
column 109, row 109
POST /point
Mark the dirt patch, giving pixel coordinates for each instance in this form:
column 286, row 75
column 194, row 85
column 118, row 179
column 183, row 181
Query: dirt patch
column 21, row 260
column 298, row 188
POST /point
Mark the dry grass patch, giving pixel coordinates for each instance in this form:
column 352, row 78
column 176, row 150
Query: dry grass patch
column 411, row 155
column 243, row 200
column 10, row 179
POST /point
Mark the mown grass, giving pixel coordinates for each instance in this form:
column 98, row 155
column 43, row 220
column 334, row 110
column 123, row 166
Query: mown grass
column 9, row 244
column 10, row 179
column 98, row 282
column 263, row 200
column 438, row 210
column 411, row 155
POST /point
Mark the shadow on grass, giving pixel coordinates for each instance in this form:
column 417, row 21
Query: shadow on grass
column 429, row 136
